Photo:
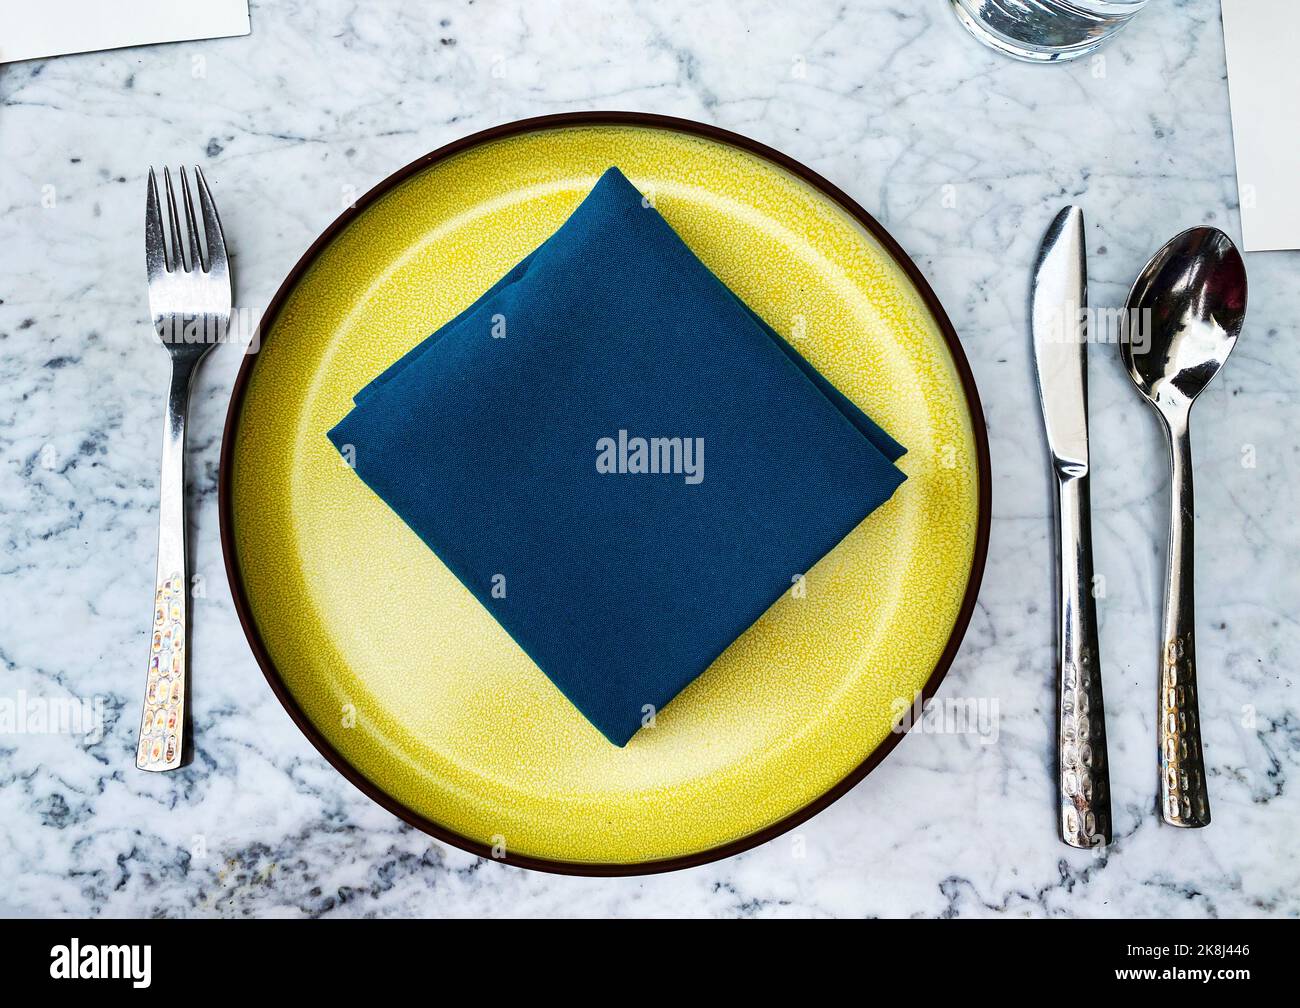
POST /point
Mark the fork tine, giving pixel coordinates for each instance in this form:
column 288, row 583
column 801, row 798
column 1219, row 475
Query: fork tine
column 212, row 233
column 196, row 250
column 178, row 247
column 155, row 249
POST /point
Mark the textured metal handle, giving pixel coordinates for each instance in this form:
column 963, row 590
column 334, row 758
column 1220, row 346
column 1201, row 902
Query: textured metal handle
column 1083, row 775
column 162, row 720
column 1184, row 793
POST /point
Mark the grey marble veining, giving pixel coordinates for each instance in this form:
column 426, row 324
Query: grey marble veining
column 963, row 155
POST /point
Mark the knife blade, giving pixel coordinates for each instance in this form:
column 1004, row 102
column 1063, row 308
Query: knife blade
column 1058, row 323
column 1057, row 303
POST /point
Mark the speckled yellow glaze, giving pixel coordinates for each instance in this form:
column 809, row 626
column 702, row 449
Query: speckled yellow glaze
column 412, row 681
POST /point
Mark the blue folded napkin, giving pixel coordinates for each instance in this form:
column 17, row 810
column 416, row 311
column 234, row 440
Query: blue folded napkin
column 623, row 463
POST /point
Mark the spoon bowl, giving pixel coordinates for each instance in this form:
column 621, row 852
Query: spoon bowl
column 1185, row 312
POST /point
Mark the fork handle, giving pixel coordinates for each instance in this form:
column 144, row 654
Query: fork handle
column 1184, row 792
column 162, row 720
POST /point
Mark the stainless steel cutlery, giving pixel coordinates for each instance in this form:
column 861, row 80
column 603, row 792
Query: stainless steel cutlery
column 189, row 300
column 1185, row 312
column 1058, row 301
column 1183, row 316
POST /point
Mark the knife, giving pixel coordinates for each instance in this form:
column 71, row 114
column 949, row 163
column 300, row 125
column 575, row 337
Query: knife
column 1058, row 319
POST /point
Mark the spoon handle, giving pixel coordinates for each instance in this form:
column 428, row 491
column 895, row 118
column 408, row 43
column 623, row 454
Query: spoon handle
column 1184, row 796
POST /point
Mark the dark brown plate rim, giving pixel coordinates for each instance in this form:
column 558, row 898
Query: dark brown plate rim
column 564, row 120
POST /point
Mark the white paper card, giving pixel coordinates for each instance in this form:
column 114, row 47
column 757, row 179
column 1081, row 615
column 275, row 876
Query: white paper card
column 1264, row 89
column 36, row 28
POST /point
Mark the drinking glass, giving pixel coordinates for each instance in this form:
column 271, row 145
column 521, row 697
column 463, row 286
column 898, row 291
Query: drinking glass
column 1044, row 31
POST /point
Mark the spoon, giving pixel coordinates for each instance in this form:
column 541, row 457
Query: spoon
column 1184, row 315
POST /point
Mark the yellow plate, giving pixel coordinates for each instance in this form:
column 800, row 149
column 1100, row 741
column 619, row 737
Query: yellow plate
column 410, row 687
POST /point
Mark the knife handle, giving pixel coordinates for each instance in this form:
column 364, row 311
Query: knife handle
column 1083, row 777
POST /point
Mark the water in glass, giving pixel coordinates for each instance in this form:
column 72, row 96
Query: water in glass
column 1045, row 30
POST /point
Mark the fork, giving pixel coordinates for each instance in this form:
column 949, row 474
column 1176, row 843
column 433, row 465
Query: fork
column 189, row 299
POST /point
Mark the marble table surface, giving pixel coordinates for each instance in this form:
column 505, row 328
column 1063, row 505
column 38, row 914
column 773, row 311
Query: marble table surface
column 962, row 154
